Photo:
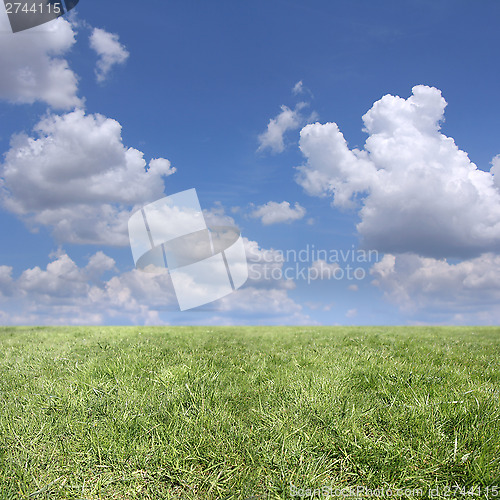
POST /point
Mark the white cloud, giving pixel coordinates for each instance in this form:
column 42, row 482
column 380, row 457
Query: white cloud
column 32, row 66
column 287, row 119
column 64, row 293
column 98, row 264
column 216, row 216
column 109, row 50
column 162, row 165
column 265, row 267
column 76, row 177
column 62, row 280
column 495, row 170
column 298, row 88
column 322, row 270
column 417, row 190
column 275, row 213
column 260, row 305
column 351, row 313
column 437, row 287
column 6, row 282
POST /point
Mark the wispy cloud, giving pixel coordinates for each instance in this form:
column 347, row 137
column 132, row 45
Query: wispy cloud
column 109, row 50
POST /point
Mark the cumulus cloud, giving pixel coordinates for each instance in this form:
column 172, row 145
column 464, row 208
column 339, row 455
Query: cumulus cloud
column 33, row 66
column 287, row 119
column 468, row 289
column 65, row 292
column 415, row 189
column 109, row 50
column 97, row 293
column 62, row 279
column 495, row 170
column 76, row 176
column 98, row 264
column 162, row 165
column 275, row 213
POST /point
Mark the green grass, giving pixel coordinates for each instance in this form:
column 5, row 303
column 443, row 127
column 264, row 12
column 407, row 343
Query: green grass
column 238, row 413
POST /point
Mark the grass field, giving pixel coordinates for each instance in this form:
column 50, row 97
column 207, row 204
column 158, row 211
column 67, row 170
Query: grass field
column 240, row 413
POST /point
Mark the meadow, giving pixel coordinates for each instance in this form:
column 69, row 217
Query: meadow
column 249, row 412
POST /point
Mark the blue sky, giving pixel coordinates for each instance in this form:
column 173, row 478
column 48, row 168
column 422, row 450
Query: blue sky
column 275, row 112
